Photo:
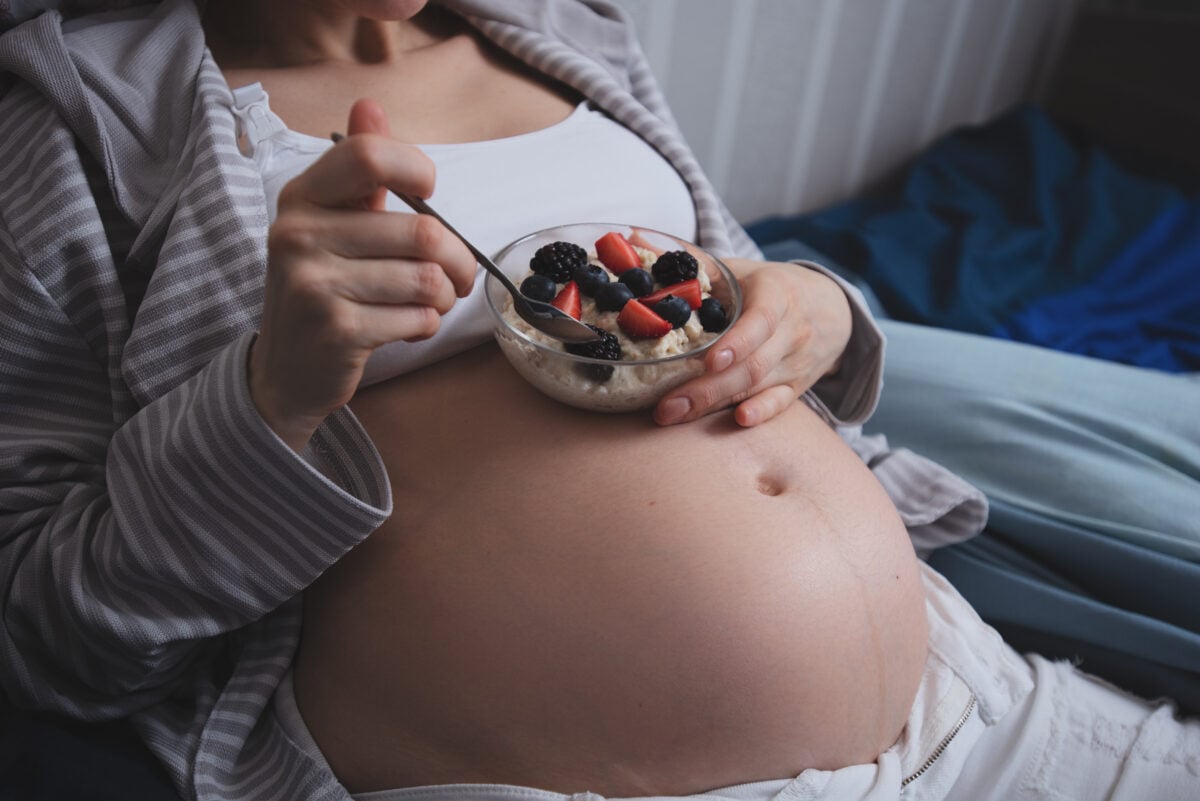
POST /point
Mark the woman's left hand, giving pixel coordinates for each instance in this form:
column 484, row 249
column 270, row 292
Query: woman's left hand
column 794, row 327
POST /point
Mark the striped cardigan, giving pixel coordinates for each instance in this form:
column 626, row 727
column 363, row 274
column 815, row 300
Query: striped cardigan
column 155, row 536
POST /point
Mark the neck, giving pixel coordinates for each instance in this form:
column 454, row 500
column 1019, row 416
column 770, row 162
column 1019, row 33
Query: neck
column 290, row 33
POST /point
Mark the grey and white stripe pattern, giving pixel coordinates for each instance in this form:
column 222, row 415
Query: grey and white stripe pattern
column 154, row 535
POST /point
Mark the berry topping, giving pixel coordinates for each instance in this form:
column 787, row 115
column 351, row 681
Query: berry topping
column 607, row 348
column 616, row 253
column 675, row 311
column 675, row 266
column 688, row 290
column 590, row 277
column 567, row 300
column 539, row 287
column 638, row 320
column 640, row 281
column 638, row 240
column 712, row 315
column 558, row 260
column 613, row 297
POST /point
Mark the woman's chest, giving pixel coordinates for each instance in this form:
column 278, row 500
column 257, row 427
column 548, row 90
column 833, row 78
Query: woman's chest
column 460, row 91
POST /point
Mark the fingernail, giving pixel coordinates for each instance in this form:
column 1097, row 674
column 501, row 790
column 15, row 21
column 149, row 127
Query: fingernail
column 674, row 410
column 723, row 359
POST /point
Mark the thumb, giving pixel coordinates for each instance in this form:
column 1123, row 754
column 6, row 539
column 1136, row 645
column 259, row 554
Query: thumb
column 367, row 116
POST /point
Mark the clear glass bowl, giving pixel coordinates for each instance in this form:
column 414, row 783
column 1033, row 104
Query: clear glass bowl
column 586, row 383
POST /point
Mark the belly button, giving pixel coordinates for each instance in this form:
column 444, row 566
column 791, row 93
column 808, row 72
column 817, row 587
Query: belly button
column 769, row 486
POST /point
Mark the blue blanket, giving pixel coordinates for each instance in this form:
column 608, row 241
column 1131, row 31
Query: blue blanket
column 1014, row 230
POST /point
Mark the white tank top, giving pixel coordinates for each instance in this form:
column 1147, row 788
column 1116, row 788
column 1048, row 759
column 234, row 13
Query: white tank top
column 587, row 168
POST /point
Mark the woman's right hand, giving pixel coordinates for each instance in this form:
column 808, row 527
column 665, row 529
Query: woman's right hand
column 344, row 276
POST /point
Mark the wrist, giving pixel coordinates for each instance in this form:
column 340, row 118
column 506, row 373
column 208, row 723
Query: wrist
column 836, row 321
column 295, row 429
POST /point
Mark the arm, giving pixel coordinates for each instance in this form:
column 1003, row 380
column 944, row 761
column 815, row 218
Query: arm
column 125, row 545
column 130, row 538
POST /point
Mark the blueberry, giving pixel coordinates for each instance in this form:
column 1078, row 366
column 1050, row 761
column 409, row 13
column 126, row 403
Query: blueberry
column 640, row 281
column 675, row 311
column 590, row 277
column 712, row 315
column 613, row 297
column 539, row 287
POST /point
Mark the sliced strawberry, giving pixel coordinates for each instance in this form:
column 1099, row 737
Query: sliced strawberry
column 637, row 240
column 568, row 300
column 688, row 290
column 616, row 253
column 640, row 321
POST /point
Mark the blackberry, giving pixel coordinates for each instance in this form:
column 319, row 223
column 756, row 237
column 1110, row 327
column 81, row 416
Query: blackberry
column 675, row 266
column 590, row 278
column 539, row 287
column 558, row 260
column 640, row 281
column 613, row 297
column 675, row 311
column 607, row 348
column 712, row 315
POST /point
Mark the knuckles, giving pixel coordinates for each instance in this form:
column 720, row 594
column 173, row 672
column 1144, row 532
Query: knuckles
column 340, row 326
column 758, row 367
column 375, row 159
column 428, row 322
column 292, row 234
column 430, row 286
column 427, row 236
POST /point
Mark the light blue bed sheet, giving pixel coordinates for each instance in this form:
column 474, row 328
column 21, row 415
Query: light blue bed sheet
column 1092, row 468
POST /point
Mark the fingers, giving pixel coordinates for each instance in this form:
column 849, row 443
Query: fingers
column 344, row 276
column 374, row 282
column 717, row 390
column 763, row 363
column 354, row 172
column 353, row 235
column 767, row 404
column 367, row 116
column 757, row 325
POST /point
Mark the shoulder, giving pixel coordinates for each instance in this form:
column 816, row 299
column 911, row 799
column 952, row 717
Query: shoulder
column 600, row 30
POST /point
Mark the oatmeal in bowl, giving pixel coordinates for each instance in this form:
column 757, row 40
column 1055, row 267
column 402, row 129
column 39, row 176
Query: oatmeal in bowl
column 659, row 302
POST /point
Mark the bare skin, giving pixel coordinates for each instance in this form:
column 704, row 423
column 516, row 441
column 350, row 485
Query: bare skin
column 584, row 602
column 755, row 610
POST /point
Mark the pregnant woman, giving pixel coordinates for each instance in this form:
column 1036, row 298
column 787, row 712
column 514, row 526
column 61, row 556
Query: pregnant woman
column 316, row 539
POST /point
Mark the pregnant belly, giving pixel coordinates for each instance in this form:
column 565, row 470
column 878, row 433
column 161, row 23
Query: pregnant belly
column 583, row 602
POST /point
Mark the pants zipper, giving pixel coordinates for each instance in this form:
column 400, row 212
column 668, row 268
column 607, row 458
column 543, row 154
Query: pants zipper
column 943, row 745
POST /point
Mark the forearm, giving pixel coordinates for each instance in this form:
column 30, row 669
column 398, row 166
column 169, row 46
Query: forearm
column 198, row 521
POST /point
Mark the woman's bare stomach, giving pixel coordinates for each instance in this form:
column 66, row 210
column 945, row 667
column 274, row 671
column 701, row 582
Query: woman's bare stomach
column 578, row 602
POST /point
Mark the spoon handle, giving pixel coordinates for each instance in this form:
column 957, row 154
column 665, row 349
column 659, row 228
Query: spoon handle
column 421, row 207
column 542, row 316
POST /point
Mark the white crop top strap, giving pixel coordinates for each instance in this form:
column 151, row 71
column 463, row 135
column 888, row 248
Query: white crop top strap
column 586, row 168
column 256, row 123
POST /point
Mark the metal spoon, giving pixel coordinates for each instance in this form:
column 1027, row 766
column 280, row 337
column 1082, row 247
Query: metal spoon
column 550, row 320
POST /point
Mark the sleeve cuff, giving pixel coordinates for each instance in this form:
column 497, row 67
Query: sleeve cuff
column 849, row 397
column 228, row 512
